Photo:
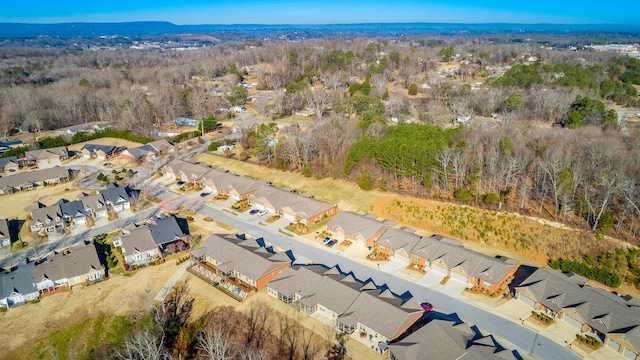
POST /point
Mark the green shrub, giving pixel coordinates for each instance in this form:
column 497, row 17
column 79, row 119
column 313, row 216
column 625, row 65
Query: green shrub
column 491, row 198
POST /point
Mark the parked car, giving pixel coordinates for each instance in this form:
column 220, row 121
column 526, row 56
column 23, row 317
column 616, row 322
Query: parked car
column 326, row 240
column 180, row 183
column 204, row 194
column 253, row 211
column 426, row 306
column 262, row 212
column 332, row 242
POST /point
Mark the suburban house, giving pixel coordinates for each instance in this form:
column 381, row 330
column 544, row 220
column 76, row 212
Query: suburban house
column 235, row 266
column 72, row 211
column 612, row 319
column 79, row 265
column 397, row 244
column 291, row 206
column 5, row 235
column 94, row 205
column 447, row 256
column 32, row 179
column 116, row 197
column 167, row 234
column 18, row 286
column 456, row 340
column 46, row 158
column 47, row 218
column 148, row 151
column 356, row 228
column 370, row 314
column 186, row 171
column 101, row 152
column 9, row 165
column 138, row 247
column 236, row 187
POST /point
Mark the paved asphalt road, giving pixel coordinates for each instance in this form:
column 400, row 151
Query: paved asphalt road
column 522, row 337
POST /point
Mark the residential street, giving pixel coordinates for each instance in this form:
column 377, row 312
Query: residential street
column 526, row 340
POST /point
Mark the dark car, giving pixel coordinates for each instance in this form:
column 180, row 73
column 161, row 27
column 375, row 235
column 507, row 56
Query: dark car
column 253, row 211
column 426, row 306
column 180, row 183
column 204, row 194
column 332, row 242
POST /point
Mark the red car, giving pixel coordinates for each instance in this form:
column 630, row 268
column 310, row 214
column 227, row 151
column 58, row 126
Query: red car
column 426, row 306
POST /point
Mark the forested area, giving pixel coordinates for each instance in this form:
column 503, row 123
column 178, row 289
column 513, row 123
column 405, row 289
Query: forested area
column 386, row 114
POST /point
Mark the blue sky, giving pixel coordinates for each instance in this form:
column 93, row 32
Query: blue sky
column 323, row 12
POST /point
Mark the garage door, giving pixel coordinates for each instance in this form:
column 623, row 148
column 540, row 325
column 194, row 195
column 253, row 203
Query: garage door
column 290, row 217
column 459, row 277
column 439, row 269
column 614, row 345
column 629, row 354
column 259, row 206
column 527, row 301
column 573, row 322
column 401, row 258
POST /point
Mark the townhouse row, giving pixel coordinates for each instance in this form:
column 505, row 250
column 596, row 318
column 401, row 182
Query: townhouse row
column 47, row 220
column 291, row 206
column 365, row 311
column 436, row 253
column 567, row 297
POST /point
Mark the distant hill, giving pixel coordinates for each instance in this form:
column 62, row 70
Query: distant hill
column 157, row 28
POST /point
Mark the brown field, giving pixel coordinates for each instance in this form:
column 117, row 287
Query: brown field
column 105, row 141
column 18, row 205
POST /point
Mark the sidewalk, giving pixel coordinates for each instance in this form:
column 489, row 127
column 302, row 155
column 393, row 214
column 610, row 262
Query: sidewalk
column 171, row 282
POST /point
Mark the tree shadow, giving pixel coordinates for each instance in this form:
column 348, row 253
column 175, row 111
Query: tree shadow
column 15, row 226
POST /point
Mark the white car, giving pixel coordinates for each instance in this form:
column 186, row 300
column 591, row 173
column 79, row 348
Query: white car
column 262, row 212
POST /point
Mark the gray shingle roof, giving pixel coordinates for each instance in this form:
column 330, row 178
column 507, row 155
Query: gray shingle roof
column 356, row 224
column 6, row 160
column 107, row 149
column 165, row 230
column 95, row 202
column 72, row 209
column 139, row 239
column 44, row 153
column 397, row 239
column 447, row 340
column 342, row 294
column 20, row 280
column 4, row 229
column 600, row 309
column 452, row 254
column 51, row 213
column 114, row 194
column 31, row 177
column 302, row 206
column 65, row 266
column 243, row 259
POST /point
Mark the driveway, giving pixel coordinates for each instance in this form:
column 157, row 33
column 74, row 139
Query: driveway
column 526, row 340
